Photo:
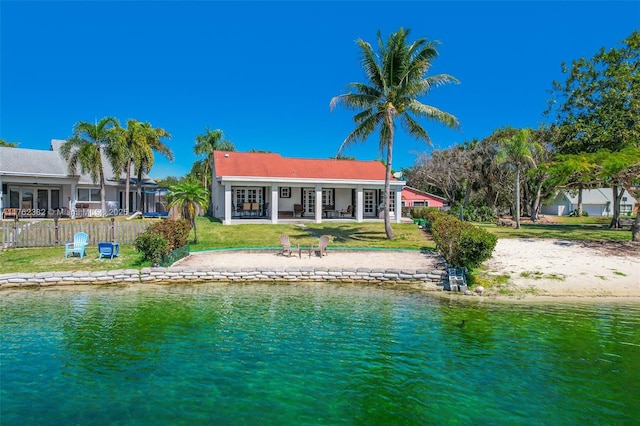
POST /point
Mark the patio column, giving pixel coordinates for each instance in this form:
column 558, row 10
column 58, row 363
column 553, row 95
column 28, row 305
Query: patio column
column 72, row 201
column 1, row 196
column 275, row 194
column 318, row 204
column 398, row 212
column 360, row 203
column 227, row 204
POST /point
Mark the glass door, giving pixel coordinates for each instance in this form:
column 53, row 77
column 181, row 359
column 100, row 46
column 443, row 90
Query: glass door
column 309, row 201
column 369, row 204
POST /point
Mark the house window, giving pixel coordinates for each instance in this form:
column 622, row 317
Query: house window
column 88, row 194
column 327, row 197
column 421, row 203
column 285, row 192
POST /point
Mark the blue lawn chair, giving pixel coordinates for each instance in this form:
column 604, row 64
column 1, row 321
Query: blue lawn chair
column 109, row 250
column 80, row 242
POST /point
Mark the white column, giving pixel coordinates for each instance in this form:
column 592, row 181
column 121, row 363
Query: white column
column 275, row 195
column 360, row 202
column 72, row 201
column 398, row 211
column 227, row 204
column 318, row 204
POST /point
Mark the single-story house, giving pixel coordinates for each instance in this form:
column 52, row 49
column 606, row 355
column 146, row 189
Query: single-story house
column 595, row 202
column 269, row 186
column 38, row 184
column 412, row 197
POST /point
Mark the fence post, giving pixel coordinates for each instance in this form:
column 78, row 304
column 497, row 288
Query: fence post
column 113, row 229
column 56, row 235
column 15, row 231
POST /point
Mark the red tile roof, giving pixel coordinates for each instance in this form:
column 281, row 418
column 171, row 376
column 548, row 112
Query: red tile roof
column 253, row 164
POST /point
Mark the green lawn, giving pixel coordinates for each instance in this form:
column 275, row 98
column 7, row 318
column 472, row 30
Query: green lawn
column 213, row 235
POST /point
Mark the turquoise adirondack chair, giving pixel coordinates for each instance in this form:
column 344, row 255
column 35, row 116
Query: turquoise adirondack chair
column 80, row 241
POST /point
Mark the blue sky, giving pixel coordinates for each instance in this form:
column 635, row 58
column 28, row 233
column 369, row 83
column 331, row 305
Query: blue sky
column 264, row 72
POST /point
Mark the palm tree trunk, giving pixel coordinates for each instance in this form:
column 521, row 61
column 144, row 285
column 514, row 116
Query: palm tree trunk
column 387, row 178
column 635, row 228
column 517, row 197
column 127, row 187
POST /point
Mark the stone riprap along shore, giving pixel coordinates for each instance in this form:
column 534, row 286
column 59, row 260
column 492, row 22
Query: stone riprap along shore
column 428, row 278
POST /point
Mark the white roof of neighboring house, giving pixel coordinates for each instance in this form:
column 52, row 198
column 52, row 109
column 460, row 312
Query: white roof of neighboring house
column 596, row 196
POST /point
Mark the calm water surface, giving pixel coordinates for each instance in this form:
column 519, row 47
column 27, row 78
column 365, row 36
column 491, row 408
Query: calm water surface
column 312, row 354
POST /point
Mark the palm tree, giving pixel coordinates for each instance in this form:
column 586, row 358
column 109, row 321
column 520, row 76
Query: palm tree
column 189, row 197
column 136, row 145
column 85, row 149
column 206, row 144
column 143, row 156
column 396, row 78
column 517, row 151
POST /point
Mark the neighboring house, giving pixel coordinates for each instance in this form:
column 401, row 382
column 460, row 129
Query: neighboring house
column 38, row 184
column 596, row 202
column 412, row 197
column 269, row 186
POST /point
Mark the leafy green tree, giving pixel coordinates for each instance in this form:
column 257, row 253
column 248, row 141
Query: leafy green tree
column 189, row 197
column 206, row 144
column 598, row 105
column 517, row 151
column 86, row 146
column 8, row 144
column 396, row 77
column 168, row 181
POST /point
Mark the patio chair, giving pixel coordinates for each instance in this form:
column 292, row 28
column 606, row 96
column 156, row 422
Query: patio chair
column 255, row 209
column 298, row 209
column 348, row 212
column 323, row 242
column 286, row 245
column 80, row 241
column 109, row 250
column 246, row 209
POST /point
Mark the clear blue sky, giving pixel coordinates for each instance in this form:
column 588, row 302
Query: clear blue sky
column 264, row 72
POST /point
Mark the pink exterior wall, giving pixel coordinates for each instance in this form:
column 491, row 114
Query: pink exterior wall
column 410, row 196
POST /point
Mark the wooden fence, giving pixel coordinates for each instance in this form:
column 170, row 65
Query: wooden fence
column 44, row 233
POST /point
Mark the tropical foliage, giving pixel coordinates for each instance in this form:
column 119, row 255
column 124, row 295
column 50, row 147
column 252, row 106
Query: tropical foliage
column 206, row 144
column 189, row 198
column 396, row 79
column 85, row 148
column 135, row 146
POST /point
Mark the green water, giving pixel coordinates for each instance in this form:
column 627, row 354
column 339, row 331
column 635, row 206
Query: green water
column 311, row 354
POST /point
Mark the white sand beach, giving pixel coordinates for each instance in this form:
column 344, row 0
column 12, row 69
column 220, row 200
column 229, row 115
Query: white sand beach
column 535, row 267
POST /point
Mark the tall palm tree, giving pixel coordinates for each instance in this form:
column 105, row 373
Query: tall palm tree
column 143, row 158
column 86, row 147
column 517, row 151
column 396, row 78
column 188, row 197
column 206, row 144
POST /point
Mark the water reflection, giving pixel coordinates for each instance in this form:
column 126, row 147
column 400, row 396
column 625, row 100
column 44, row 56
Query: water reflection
column 312, row 353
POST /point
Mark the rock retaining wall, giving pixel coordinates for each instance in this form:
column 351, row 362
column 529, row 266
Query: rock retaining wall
column 430, row 278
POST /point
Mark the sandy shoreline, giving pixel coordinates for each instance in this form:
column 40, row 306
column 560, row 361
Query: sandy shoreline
column 534, row 267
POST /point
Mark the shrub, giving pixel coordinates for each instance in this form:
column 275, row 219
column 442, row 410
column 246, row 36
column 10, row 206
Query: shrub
column 460, row 243
column 176, row 232
column 162, row 238
column 153, row 246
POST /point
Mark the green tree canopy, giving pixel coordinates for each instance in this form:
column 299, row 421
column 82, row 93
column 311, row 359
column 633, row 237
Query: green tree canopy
column 598, row 106
column 206, row 144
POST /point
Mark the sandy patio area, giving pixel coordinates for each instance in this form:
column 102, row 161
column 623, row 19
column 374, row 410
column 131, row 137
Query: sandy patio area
column 543, row 267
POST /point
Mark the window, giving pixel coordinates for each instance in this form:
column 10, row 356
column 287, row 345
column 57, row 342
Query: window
column 421, row 203
column 327, row 197
column 88, row 194
column 285, row 192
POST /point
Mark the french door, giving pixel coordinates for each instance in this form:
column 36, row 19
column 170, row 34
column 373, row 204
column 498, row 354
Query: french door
column 369, row 203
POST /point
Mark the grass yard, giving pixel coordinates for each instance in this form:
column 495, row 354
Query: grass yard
column 213, row 235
